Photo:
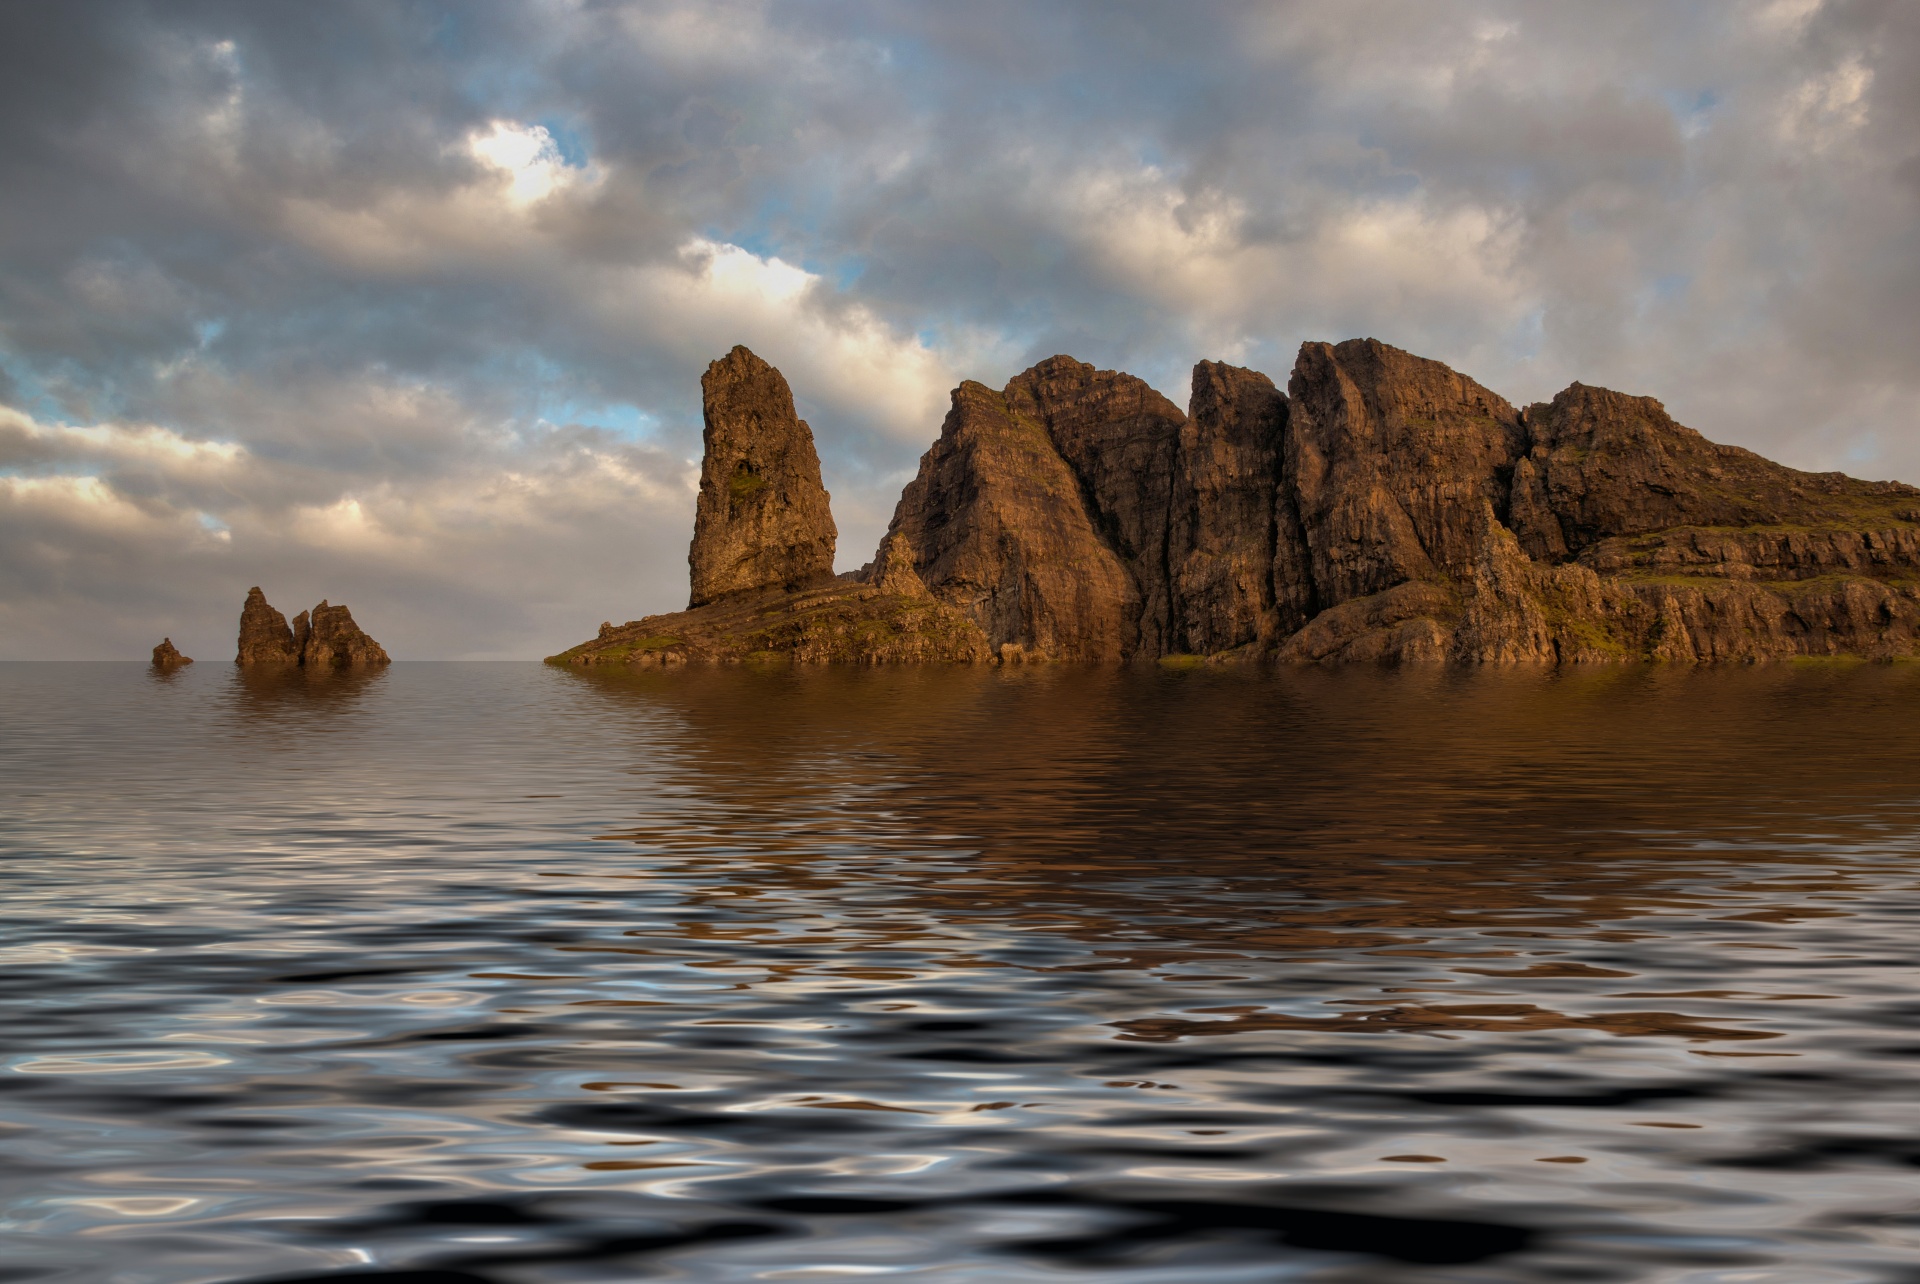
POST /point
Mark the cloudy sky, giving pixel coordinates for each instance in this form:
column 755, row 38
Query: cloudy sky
column 406, row 304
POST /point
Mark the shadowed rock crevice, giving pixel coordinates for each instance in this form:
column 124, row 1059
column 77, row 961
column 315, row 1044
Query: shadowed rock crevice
column 1383, row 508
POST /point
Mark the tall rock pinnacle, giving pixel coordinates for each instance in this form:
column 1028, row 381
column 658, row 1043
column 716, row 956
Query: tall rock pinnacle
column 762, row 520
column 264, row 635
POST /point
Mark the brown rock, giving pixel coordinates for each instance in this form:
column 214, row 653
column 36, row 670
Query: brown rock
column 167, row 656
column 1120, row 438
column 264, row 635
column 333, row 640
column 1389, row 510
column 1391, row 457
column 1000, row 530
column 762, row 520
column 1236, row 556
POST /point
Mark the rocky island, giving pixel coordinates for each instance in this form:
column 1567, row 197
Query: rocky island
column 326, row 638
column 1383, row 507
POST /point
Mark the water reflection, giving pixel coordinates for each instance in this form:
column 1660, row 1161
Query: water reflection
column 523, row 974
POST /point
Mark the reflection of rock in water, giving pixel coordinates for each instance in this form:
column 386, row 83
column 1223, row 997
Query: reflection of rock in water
column 288, row 698
column 1297, row 811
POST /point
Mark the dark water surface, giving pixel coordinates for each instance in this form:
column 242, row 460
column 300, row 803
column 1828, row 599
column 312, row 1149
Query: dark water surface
column 508, row 973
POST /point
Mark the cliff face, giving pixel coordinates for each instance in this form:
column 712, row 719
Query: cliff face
column 762, row 519
column 328, row 638
column 1001, row 531
column 1384, row 507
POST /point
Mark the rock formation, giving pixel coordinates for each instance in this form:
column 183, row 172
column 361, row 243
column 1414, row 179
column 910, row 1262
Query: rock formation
column 264, row 635
column 762, row 519
column 333, row 639
column 1384, row 507
column 328, row 638
column 167, row 656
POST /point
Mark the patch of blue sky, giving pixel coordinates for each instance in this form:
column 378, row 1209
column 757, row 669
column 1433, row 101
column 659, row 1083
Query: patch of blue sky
column 569, row 136
column 28, row 394
column 622, row 419
column 208, row 522
column 1693, row 109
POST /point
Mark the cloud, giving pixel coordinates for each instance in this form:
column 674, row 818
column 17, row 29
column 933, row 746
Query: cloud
column 408, row 304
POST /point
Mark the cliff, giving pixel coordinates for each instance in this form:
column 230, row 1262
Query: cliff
column 1383, row 507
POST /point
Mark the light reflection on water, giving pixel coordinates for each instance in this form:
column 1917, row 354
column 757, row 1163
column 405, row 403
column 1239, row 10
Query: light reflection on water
column 501, row 972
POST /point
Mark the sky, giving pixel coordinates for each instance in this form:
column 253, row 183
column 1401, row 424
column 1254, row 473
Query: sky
column 405, row 304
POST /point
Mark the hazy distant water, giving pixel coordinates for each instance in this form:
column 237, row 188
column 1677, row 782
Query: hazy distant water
column 508, row 973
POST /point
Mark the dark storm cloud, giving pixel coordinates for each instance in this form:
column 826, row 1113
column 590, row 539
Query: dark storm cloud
column 407, row 303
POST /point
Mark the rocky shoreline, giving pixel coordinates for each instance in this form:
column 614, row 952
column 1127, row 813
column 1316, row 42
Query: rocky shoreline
column 1383, row 508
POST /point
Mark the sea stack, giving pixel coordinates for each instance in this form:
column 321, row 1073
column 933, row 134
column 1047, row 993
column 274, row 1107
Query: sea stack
column 334, row 640
column 762, row 520
column 264, row 635
column 167, row 655
column 326, row 638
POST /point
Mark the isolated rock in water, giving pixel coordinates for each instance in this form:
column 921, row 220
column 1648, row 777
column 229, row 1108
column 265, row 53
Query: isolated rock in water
column 1000, row 530
column 1238, row 576
column 264, row 635
column 1120, row 437
column 167, row 656
column 762, row 520
column 335, row 641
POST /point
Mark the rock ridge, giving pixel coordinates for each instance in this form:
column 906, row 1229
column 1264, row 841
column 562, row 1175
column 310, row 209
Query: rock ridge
column 1383, row 507
column 326, row 637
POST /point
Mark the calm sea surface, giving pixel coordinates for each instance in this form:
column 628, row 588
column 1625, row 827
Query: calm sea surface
column 471, row 972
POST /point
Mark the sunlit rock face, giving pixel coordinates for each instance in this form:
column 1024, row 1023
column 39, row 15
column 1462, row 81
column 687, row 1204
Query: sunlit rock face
column 167, row 655
column 335, row 641
column 1383, row 508
column 265, row 637
column 326, row 638
column 1002, row 531
column 762, row 520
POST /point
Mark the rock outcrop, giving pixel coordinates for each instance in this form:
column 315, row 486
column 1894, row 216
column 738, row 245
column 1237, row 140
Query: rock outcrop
column 1383, row 508
column 1001, row 531
column 762, row 520
column 167, row 655
column 328, row 638
column 264, row 635
column 333, row 640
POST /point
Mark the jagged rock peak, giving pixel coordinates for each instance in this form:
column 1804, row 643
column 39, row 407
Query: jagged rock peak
column 327, row 638
column 999, row 527
column 167, row 655
column 1391, row 457
column 264, row 635
column 334, row 640
column 763, row 518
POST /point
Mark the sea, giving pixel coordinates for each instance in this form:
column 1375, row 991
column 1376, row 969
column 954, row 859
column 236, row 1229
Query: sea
column 456, row 973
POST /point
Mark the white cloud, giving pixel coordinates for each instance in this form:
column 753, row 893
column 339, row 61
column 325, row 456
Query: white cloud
column 527, row 158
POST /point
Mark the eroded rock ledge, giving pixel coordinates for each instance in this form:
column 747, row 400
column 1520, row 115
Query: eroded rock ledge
column 1383, row 507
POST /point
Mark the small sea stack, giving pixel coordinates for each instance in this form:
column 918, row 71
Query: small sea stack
column 326, row 637
column 167, row 655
